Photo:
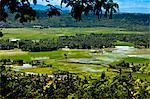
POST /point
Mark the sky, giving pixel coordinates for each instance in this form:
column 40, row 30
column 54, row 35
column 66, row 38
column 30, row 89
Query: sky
column 134, row 6
column 130, row 6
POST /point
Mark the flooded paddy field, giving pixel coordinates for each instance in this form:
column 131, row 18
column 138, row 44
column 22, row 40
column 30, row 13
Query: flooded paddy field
column 81, row 61
column 118, row 53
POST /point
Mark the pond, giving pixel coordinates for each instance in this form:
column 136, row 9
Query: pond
column 89, row 69
column 84, row 60
column 25, row 66
column 140, row 56
column 124, row 49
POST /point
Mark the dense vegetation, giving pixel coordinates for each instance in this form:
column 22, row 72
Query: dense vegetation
column 66, row 85
column 134, row 22
column 123, row 78
column 79, row 41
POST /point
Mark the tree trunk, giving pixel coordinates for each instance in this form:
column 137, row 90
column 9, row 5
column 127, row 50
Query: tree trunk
column 110, row 16
column 0, row 11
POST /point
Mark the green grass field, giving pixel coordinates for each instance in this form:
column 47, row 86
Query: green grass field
column 137, row 60
column 59, row 54
column 34, row 33
column 121, row 43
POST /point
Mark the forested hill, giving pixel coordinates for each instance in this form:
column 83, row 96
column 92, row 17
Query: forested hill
column 135, row 22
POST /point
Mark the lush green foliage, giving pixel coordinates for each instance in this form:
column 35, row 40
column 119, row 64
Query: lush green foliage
column 66, row 85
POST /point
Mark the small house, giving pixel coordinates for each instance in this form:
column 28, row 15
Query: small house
column 14, row 40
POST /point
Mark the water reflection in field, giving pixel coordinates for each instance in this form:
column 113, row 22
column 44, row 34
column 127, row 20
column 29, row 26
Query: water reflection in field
column 89, row 69
column 117, row 53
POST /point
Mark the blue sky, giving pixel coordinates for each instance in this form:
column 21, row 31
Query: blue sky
column 136, row 6
column 131, row 6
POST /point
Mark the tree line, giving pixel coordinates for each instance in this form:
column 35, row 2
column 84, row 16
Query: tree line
column 78, row 41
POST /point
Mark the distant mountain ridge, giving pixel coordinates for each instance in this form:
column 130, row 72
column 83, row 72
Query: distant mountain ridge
column 43, row 7
column 129, row 21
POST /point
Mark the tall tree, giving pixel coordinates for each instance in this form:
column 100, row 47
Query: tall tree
column 24, row 11
column 112, row 7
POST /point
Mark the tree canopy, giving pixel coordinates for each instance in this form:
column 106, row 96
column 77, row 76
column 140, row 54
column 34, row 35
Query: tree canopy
column 65, row 85
column 24, row 12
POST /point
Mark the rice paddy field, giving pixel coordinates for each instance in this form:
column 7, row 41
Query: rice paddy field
column 83, row 62
column 35, row 33
column 27, row 56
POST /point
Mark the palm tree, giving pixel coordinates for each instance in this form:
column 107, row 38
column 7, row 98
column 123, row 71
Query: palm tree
column 111, row 7
column 98, row 7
